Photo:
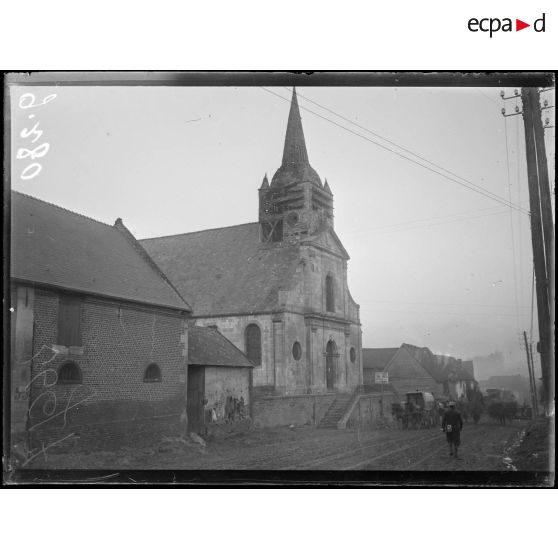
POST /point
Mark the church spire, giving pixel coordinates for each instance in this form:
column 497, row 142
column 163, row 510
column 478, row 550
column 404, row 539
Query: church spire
column 294, row 151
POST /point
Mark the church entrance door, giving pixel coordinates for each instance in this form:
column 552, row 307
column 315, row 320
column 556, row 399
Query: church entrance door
column 331, row 354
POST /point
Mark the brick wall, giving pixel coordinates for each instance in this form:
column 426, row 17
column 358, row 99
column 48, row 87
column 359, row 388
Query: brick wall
column 286, row 410
column 118, row 342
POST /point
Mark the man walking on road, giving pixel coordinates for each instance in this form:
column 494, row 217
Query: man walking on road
column 452, row 424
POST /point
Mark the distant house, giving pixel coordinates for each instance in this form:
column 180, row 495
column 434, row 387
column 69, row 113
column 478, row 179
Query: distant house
column 465, row 378
column 219, row 380
column 410, row 368
column 99, row 339
column 405, row 372
column 516, row 384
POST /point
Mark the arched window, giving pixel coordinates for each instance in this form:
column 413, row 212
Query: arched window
column 297, row 350
column 253, row 343
column 352, row 354
column 69, row 373
column 330, row 295
column 152, row 374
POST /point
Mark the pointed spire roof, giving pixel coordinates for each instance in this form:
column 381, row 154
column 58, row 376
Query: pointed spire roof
column 326, row 186
column 294, row 151
column 265, row 182
column 295, row 166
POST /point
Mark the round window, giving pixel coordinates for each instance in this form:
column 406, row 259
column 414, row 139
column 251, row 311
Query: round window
column 352, row 354
column 297, row 350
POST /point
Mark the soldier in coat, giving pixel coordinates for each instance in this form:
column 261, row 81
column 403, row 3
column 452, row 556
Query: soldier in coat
column 452, row 424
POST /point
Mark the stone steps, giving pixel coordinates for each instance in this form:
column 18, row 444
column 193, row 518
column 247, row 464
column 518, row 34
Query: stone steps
column 335, row 412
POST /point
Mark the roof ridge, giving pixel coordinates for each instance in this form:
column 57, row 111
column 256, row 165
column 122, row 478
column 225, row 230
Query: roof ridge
column 62, row 208
column 142, row 252
column 197, row 232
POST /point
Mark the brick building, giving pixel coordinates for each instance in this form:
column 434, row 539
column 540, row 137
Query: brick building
column 98, row 334
column 277, row 288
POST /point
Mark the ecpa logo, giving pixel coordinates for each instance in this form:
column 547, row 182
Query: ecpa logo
column 494, row 24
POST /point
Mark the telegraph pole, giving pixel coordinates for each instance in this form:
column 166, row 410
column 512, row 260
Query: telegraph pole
column 537, row 238
column 536, row 409
column 549, row 239
column 531, row 377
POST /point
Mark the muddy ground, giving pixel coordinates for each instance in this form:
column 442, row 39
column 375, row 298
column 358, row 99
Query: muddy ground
column 486, row 446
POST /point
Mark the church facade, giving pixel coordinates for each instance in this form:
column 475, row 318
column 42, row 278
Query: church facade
column 276, row 288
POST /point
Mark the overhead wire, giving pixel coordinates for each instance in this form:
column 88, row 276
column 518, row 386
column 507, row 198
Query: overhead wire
column 432, row 218
column 474, row 187
column 433, row 224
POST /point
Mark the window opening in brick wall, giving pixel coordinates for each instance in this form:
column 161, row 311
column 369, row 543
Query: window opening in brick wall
column 352, row 354
column 330, row 296
column 69, row 373
column 297, row 350
column 69, row 321
column 253, row 343
column 152, row 374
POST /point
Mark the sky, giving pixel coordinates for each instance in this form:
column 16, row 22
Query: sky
column 433, row 263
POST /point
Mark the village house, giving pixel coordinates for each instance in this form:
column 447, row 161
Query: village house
column 410, row 368
column 404, row 370
column 99, row 339
column 277, row 289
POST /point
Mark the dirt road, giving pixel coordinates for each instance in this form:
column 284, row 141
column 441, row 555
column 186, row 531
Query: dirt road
column 483, row 448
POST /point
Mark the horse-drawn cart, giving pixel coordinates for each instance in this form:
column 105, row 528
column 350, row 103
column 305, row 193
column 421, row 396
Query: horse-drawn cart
column 418, row 411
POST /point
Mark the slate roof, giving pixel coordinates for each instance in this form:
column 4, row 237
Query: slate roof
column 227, row 270
column 377, row 358
column 206, row 346
column 56, row 247
column 429, row 361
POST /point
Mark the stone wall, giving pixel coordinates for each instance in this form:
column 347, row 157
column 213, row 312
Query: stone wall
column 234, row 327
column 287, row 410
column 119, row 340
column 372, row 410
column 222, row 382
column 302, row 317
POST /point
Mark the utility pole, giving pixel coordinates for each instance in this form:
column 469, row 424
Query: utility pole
column 529, row 98
column 531, row 377
column 549, row 239
column 536, row 408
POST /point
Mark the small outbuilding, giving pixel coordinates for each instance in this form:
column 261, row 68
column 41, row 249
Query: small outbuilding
column 219, row 382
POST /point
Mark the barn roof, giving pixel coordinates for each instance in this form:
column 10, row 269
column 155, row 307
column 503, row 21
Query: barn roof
column 377, row 358
column 206, row 346
column 227, row 270
column 55, row 247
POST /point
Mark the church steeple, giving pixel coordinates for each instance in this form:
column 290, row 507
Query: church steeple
column 295, row 205
column 295, row 166
column 294, row 152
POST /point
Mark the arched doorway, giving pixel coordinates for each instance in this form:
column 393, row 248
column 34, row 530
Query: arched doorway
column 331, row 364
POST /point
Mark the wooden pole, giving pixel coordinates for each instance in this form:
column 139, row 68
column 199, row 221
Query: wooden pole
column 537, row 241
column 531, row 379
column 536, row 408
column 548, row 232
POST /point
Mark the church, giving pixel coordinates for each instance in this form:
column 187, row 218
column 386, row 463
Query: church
column 276, row 288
